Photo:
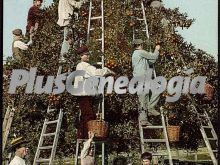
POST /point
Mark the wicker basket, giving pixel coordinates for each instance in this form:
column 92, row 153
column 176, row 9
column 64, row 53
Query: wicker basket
column 99, row 127
column 173, row 133
column 209, row 91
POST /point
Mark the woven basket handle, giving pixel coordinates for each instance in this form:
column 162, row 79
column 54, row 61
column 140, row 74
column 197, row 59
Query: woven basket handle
column 166, row 119
column 99, row 114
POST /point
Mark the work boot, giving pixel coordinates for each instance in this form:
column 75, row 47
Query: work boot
column 153, row 112
column 143, row 118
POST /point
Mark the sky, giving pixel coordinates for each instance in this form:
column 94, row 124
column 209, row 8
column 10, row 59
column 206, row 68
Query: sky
column 203, row 33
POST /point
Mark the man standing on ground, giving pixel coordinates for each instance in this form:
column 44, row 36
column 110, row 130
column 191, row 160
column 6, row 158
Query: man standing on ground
column 146, row 158
column 141, row 61
column 18, row 146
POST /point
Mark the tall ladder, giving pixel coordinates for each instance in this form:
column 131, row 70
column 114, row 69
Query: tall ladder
column 165, row 140
column 100, row 39
column 143, row 21
column 7, row 124
column 45, row 135
column 207, row 128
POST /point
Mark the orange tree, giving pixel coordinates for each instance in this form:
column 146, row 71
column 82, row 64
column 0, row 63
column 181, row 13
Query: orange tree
column 121, row 111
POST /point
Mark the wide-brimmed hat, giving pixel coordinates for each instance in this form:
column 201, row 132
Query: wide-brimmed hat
column 17, row 32
column 82, row 50
column 16, row 143
column 138, row 41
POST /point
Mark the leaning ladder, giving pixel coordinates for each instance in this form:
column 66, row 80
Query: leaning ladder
column 204, row 129
column 150, row 141
column 101, row 39
column 7, row 124
column 143, row 21
column 44, row 135
column 213, row 150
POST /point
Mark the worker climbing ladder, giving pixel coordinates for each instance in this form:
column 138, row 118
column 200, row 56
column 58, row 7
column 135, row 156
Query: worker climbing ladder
column 136, row 32
column 45, row 136
column 7, row 124
column 92, row 28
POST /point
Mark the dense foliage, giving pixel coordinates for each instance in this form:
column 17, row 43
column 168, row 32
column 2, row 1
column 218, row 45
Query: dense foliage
column 121, row 111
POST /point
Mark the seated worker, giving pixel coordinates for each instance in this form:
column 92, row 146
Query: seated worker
column 18, row 46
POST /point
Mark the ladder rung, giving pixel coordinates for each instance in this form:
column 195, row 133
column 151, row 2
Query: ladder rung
column 212, row 139
column 51, row 122
column 140, row 30
column 99, row 39
column 94, row 28
column 42, row 160
column 93, row 18
column 137, row 8
column 50, row 110
column 140, row 19
column 100, row 156
column 154, row 140
column 83, row 140
column 49, row 134
column 206, row 126
column 45, row 147
column 160, row 154
column 153, row 127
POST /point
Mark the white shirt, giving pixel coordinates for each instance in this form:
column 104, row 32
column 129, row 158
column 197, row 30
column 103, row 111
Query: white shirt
column 85, row 158
column 65, row 9
column 21, row 45
column 17, row 161
column 90, row 71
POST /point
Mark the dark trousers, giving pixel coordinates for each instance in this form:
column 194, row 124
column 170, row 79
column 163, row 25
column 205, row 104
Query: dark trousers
column 87, row 114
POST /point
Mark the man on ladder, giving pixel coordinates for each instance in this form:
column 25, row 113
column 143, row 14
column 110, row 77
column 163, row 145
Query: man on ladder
column 85, row 99
column 141, row 61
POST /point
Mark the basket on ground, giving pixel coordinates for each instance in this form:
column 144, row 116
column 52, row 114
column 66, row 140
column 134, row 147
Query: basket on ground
column 173, row 133
column 99, row 127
